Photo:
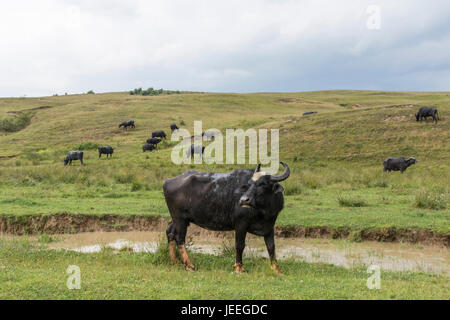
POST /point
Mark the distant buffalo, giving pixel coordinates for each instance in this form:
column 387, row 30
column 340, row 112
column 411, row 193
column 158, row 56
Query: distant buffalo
column 173, row 127
column 126, row 124
column 195, row 149
column 154, row 141
column 398, row 164
column 73, row 155
column 309, row 112
column 108, row 150
column 160, row 134
column 148, row 147
column 425, row 112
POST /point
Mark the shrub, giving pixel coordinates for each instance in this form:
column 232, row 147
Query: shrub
column 150, row 92
column 431, row 200
column 91, row 92
column 16, row 123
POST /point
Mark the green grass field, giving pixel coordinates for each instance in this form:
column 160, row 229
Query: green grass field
column 29, row 271
column 337, row 181
column 334, row 155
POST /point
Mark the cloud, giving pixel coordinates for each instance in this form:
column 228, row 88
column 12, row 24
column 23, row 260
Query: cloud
column 74, row 46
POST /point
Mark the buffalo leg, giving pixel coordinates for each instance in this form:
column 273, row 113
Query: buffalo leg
column 240, row 246
column 170, row 232
column 270, row 244
column 99, row 155
column 180, row 238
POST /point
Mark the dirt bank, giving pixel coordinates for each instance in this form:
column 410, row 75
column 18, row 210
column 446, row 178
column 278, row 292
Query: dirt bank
column 75, row 223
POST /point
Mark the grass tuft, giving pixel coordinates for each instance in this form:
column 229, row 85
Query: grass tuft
column 347, row 201
column 431, row 200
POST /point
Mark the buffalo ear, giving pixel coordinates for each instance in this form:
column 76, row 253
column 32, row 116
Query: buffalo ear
column 277, row 188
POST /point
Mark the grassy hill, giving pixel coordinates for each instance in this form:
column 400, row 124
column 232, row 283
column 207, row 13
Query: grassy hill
column 335, row 155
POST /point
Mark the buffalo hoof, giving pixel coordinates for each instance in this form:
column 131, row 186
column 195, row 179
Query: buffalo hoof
column 239, row 268
column 189, row 267
column 275, row 268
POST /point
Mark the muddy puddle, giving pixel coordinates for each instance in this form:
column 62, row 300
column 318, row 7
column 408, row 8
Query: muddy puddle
column 389, row 256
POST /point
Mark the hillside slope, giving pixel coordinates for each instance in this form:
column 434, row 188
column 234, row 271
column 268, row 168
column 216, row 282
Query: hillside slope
column 335, row 155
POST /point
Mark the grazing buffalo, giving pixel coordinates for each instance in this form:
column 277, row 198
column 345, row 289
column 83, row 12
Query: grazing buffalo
column 73, row 155
column 108, row 150
column 154, row 141
column 148, row 147
column 195, row 149
column 425, row 112
column 398, row 164
column 158, row 134
column 127, row 124
column 243, row 200
column 309, row 112
column 173, row 127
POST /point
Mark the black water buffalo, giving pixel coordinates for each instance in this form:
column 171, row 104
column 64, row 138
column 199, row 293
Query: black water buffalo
column 148, row 147
column 158, row 134
column 243, row 200
column 195, row 149
column 425, row 112
column 309, row 112
column 173, row 127
column 154, row 141
column 73, row 155
column 108, row 150
column 126, row 124
column 398, row 164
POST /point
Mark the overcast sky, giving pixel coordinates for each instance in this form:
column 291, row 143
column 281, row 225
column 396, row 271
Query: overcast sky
column 59, row 46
